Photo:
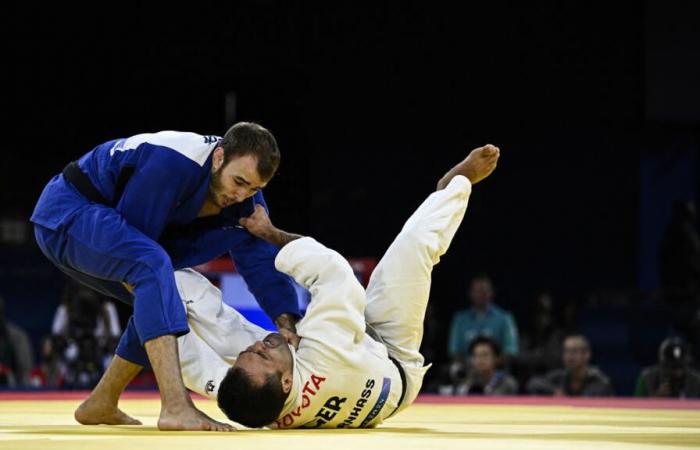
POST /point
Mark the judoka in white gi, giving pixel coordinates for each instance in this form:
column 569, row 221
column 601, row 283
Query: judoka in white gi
column 358, row 361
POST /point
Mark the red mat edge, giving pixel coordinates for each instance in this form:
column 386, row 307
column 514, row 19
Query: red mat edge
column 608, row 402
column 613, row 402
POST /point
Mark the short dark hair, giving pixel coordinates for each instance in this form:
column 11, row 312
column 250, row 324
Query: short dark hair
column 482, row 276
column 248, row 404
column 576, row 335
column 495, row 348
column 249, row 138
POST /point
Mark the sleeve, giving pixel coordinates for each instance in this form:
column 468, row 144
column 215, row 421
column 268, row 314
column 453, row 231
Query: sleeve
column 454, row 344
column 337, row 298
column 160, row 179
column 23, row 353
column 221, row 327
column 607, row 389
column 510, row 338
column 60, row 320
column 641, row 389
column 112, row 320
column 254, row 259
column 273, row 290
column 202, row 368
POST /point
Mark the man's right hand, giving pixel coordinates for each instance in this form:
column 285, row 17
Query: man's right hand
column 259, row 223
column 189, row 418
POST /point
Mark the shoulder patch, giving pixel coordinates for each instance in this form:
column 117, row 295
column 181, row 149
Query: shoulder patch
column 193, row 146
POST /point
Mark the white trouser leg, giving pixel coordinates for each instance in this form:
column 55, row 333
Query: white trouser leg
column 398, row 291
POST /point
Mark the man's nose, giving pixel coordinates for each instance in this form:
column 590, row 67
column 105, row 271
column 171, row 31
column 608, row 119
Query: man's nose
column 241, row 194
column 259, row 346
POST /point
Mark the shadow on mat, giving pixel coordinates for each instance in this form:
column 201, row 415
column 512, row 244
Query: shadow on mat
column 675, row 440
column 684, row 440
column 139, row 430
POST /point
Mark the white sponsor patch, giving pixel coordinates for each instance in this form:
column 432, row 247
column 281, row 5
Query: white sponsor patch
column 195, row 147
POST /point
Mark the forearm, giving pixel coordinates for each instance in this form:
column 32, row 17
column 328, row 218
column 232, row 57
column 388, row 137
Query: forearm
column 259, row 224
column 278, row 237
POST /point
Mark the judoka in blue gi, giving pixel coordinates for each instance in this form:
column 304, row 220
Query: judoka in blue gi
column 129, row 212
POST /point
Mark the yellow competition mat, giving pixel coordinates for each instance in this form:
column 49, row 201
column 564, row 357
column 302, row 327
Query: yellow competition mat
column 31, row 422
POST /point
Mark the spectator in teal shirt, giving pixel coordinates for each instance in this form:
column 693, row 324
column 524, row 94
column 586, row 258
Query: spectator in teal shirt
column 483, row 319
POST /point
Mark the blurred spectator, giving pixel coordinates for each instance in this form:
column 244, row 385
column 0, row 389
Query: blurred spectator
column 577, row 378
column 482, row 319
column 85, row 332
column 671, row 377
column 16, row 357
column 76, row 316
column 484, row 374
column 540, row 346
column 679, row 255
column 679, row 270
column 51, row 371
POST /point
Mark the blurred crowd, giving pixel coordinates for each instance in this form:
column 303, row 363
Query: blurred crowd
column 488, row 355
column 84, row 334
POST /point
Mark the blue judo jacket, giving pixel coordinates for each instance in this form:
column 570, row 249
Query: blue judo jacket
column 169, row 180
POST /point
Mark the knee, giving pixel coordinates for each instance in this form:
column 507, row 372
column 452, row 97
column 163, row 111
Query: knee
column 42, row 235
column 421, row 238
column 153, row 261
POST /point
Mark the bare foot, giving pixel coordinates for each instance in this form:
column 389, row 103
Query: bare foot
column 95, row 412
column 477, row 166
column 190, row 419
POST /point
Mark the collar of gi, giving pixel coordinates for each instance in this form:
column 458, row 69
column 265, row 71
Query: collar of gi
column 296, row 384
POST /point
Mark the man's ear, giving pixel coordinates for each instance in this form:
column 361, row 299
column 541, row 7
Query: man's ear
column 287, row 382
column 217, row 158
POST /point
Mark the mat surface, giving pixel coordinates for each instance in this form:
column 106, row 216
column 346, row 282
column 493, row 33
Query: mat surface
column 45, row 421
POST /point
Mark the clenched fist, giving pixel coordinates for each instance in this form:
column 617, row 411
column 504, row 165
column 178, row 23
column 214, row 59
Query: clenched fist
column 258, row 224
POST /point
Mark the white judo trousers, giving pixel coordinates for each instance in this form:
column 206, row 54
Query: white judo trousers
column 399, row 288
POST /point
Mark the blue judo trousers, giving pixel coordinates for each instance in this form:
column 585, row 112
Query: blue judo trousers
column 149, row 228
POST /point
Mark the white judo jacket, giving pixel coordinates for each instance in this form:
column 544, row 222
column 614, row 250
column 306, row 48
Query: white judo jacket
column 342, row 377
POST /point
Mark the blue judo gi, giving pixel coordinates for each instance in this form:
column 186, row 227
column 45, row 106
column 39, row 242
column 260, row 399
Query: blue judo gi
column 147, row 228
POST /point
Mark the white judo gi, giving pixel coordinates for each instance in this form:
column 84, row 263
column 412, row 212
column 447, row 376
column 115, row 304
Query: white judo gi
column 342, row 377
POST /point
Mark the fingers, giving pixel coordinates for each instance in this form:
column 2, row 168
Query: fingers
column 225, row 427
column 213, row 425
column 259, row 211
column 291, row 337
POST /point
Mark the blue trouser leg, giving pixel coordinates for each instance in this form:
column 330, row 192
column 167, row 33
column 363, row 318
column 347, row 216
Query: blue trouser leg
column 114, row 289
column 99, row 244
column 130, row 347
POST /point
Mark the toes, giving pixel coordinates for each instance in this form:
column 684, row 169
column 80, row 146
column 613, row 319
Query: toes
column 489, row 149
